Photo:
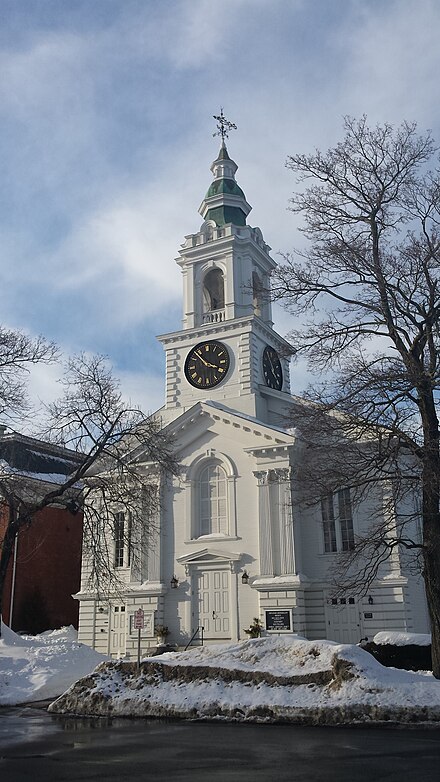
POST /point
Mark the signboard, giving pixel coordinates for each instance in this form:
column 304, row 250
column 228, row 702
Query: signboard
column 138, row 623
column 279, row 621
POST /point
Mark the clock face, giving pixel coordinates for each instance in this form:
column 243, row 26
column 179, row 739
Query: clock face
column 272, row 371
column 207, row 364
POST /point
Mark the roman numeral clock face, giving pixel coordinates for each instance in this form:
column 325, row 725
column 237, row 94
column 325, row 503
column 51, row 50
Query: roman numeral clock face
column 272, row 371
column 207, row 364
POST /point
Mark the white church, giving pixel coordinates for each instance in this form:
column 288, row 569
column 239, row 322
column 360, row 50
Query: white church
column 233, row 540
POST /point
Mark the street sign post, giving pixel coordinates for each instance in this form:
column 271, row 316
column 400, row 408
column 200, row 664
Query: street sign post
column 139, row 623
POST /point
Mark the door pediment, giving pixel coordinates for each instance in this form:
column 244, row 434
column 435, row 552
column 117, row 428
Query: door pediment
column 210, row 557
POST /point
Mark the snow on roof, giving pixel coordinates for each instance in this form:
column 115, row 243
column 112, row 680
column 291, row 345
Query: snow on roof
column 21, row 455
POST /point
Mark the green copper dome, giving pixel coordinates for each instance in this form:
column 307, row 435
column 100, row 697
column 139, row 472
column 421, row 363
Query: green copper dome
column 224, row 186
column 222, row 215
column 225, row 201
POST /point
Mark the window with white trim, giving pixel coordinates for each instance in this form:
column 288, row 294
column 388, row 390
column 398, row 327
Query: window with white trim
column 345, row 520
column 337, row 521
column 213, row 501
column 328, row 523
column 122, row 539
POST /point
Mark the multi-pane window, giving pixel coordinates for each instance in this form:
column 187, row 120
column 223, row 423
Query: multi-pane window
column 328, row 523
column 337, row 527
column 345, row 519
column 122, row 538
column 213, row 514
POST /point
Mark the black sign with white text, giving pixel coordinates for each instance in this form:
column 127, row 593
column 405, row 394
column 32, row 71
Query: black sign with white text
column 279, row 621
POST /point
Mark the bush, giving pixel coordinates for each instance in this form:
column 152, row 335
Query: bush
column 410, row 658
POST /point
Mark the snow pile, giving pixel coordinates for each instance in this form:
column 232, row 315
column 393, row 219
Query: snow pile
column 272, row 679
column 38, row 667
column 402, row 639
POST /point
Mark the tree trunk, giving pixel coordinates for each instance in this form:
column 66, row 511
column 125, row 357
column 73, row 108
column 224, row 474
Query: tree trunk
column 431, row 545
column 432, row 587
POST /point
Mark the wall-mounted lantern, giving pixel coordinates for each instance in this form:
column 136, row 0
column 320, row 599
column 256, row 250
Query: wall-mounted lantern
column 370, row 600
column 245, row 577
column 174, row 582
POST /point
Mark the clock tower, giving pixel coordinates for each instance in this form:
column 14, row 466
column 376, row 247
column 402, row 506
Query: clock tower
column 227, row 350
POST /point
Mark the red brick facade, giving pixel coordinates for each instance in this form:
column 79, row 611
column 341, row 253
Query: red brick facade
column 47, row 572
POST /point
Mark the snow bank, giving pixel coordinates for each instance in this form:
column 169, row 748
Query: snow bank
column 39, row 667
column 272, row 679
column 402, row 639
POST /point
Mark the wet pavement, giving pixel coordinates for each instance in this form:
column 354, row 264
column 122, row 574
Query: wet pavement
column 35, row 746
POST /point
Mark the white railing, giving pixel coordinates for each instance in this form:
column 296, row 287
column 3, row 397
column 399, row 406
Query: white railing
column 214, row 316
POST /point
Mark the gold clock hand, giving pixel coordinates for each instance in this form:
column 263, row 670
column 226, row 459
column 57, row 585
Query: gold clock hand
column 206, row 363
column 201, row 359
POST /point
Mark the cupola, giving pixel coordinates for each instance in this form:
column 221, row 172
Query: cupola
column 225, row 201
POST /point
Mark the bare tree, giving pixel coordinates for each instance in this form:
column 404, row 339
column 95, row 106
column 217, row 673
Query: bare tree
column 18, row 352
column 121, row 452
column 366, row 288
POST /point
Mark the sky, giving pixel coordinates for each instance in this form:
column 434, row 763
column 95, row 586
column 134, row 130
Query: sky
column 106, row 133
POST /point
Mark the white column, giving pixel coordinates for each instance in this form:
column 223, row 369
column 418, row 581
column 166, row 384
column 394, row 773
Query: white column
column 287, row 547
column 151, row 570
column 264, row 524
column 233, row 596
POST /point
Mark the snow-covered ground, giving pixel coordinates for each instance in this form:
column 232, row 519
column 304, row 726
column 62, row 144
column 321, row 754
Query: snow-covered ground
column 39, row 667
column 267, row 679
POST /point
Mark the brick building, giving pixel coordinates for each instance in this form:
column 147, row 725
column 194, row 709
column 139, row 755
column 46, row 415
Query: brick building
column 44, row 570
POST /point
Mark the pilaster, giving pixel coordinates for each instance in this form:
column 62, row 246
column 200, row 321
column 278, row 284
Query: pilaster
column 264, row 524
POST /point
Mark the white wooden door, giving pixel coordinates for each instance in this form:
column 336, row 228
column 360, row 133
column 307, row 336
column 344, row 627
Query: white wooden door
column 212, row 604
column 117, row 631
column 343, row 620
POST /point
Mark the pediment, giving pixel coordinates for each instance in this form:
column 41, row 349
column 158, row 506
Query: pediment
column 204, row 416
column 209, row 556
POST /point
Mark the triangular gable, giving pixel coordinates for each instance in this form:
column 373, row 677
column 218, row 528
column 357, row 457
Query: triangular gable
column 204, row 415
column 209, row 556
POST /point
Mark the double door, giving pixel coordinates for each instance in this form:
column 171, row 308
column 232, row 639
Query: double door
column 211, row 603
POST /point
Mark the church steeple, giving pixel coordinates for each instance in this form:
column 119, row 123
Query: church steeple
column 225, row 201
column 227, row 350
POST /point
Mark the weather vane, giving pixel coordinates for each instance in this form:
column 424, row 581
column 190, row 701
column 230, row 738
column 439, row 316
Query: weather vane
column 223, row 125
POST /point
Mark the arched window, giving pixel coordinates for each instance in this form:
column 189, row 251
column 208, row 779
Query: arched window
column 213, row 291
column 213, row 501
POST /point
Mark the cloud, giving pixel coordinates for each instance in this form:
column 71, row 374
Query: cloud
column 394, row 56
column 107, row 129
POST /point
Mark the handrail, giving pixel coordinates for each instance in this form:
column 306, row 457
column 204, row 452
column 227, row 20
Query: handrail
column 214, row 316
column 194, row 635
